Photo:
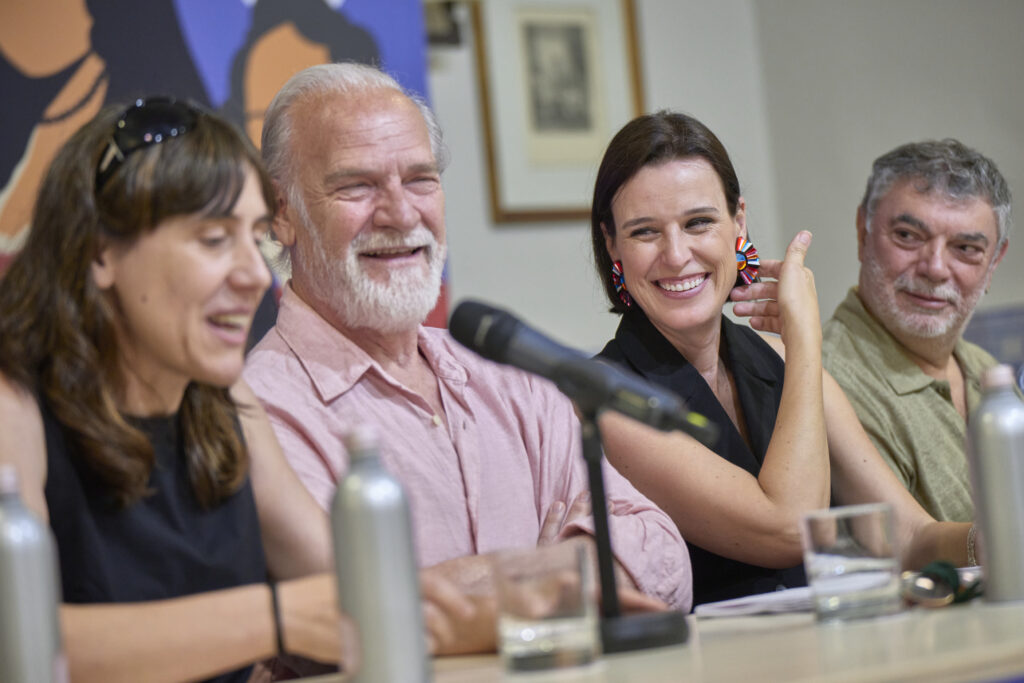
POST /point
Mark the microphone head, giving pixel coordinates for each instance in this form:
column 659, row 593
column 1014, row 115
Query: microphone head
column 483, row 328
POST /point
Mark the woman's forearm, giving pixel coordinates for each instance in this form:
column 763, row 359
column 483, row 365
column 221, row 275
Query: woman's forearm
column 936, row 541
column 201, row 635
column 171, row 640
column 859, row 475
column 796, row 472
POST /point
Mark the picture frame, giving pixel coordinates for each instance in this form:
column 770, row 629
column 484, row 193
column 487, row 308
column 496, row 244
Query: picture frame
column 442, row 23
column 557, row 79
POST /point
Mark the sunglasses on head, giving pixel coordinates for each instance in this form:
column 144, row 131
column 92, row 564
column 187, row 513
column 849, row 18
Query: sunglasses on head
column 149, row 121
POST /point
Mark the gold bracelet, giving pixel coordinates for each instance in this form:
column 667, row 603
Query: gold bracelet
column 972, row 560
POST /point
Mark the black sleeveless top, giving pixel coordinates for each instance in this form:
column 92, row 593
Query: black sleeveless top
column 758, row 373
column 163, row 546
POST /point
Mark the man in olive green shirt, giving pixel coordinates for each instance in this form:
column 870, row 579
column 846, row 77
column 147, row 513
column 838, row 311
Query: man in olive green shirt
column 932, row 227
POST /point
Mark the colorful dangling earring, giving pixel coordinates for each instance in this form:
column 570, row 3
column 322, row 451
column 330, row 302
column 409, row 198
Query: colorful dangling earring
column 619, row 281
column 747, row 262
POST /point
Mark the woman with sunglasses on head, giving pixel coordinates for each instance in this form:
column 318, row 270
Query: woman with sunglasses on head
column 122, row 328
column 671, row 246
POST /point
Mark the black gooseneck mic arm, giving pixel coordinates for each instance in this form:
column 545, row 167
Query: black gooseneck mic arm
column 594, row 387
column 619, row 632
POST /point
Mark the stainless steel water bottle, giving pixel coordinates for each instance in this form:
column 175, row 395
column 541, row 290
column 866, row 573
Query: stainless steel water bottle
column 378, row 583
column 30, row 643
column 995, row 450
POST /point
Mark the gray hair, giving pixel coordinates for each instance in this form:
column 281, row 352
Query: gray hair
column 350, row 78
column 946, row 166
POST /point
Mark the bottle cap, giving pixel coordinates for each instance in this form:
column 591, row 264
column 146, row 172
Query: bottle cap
column 997, row 377
column 362, row 439
column 8, row 479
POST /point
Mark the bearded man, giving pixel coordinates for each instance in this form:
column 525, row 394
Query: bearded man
column 932, row 227
column 489, row 456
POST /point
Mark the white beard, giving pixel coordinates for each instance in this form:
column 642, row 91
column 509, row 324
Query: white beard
column 910, row 320
column 397, row 305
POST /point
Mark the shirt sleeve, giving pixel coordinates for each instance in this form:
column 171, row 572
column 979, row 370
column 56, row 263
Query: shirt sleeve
column 291, row 420
column 644, row 539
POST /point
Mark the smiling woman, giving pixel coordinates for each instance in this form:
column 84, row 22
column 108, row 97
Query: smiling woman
column 670, row 240
column 122, row 330
column 187, row 292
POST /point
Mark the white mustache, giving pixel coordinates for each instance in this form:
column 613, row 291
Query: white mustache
column 947, row 291
column 419, row 237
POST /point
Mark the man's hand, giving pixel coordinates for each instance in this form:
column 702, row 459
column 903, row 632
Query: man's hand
column 557, row 519
column 632, row 600
column 457, row 630
column 444, row 608
column 460, row 595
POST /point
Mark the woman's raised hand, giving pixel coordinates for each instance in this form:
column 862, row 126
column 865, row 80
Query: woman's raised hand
column 785, row 303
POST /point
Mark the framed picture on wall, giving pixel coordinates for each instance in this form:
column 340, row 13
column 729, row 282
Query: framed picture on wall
column 557, row 79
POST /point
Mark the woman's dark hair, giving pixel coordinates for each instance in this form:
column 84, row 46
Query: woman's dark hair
column 57, row 329
column 649, row 140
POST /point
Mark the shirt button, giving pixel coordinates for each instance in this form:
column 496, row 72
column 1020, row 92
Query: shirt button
column 436, row 420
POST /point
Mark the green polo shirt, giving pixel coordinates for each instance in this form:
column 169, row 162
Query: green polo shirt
column 908, row 415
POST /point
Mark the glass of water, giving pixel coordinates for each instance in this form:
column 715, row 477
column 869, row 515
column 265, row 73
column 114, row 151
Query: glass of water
column 851, row 561
column 547, row 607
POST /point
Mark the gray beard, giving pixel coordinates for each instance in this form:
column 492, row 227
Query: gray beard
column 917, row 323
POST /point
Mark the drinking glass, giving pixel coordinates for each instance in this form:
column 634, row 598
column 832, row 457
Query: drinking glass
column 851, row 561
column 547, row 607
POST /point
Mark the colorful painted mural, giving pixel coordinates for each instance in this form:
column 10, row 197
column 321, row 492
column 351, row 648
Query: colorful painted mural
column 63, row 60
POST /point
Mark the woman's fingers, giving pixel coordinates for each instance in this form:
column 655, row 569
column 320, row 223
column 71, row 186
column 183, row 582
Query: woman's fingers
column 770, row 269
column 787, row 294
column 766, row 324
column 757, row 308
column 757, row 290
column 796, row 252
column 797, row 249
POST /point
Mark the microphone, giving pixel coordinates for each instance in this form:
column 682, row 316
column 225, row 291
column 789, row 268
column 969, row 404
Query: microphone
column 499, row 336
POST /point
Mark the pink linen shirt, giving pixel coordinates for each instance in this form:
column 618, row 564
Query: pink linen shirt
column 480, row 478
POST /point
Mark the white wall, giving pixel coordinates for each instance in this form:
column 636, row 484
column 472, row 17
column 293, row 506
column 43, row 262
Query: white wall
column 543, row 271
column 540, row 271
column 848, row 81
column 803, row 93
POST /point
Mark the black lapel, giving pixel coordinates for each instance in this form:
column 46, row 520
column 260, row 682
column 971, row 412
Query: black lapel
column 757, row 371
column 647, row 352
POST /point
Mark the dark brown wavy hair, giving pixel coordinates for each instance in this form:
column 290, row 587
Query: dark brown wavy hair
column 645, row 141
column 57, row 329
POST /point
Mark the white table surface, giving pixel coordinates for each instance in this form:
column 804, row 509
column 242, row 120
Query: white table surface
column 972, row 642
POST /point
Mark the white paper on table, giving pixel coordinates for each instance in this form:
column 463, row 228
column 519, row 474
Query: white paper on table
column 775, row 602
column 790, row 599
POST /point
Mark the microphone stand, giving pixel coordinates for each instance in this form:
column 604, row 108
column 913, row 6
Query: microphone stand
column 619, row 632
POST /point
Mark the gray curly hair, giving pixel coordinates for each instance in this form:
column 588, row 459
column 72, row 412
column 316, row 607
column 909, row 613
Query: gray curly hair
column 945, row 166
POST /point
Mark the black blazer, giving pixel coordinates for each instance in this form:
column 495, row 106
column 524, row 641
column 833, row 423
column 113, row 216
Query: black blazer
column 758, row 373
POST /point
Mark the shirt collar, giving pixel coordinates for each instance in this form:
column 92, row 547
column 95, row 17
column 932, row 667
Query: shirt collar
column 901, row 373
column 334, row 362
